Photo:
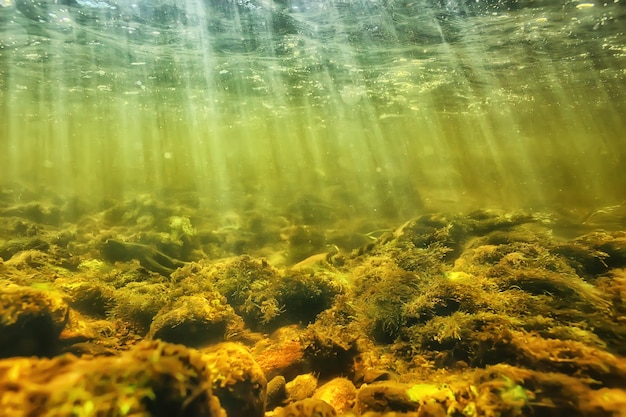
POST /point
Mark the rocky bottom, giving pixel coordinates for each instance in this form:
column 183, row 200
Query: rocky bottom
column 143, row 308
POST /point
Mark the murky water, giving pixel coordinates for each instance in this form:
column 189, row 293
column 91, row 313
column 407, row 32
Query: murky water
column 385, row 107
column 421, row 203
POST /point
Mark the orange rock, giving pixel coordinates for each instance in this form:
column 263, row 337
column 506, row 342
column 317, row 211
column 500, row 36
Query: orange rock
column 284, row 356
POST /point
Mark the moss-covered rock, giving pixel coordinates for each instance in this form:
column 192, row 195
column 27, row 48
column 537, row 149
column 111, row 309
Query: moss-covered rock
column 237, row 379
column 262, row 295
column 30, row 321
column 196, row 320
column 383, row 289
column 247, row 284
column 153, row 379
column 139, row 302
column 305, row 293
column 92, row 298
column 301, row 387
column 332, row 342
column 385, row 396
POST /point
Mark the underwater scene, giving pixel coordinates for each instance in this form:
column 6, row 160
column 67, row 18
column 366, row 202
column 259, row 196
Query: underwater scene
column 312, row 208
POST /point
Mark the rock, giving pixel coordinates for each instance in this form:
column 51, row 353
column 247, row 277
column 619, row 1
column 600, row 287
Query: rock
column 92, row 298
column 332, row 342
column 366, row 369
column 30, row 321
column 306, row 408
column 427, row 400
column 276, row 392
column 151, row 379
column 301, row 387
column 338, row 392
column 238, row 380
column 13, row 246
column 385, row 396
column 42, row 213
column 282, row 354
column 195, row 321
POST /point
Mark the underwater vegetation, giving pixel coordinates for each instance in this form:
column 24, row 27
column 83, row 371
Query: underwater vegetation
column 146, row 308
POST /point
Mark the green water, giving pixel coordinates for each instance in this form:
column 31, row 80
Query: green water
column 383, row 108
